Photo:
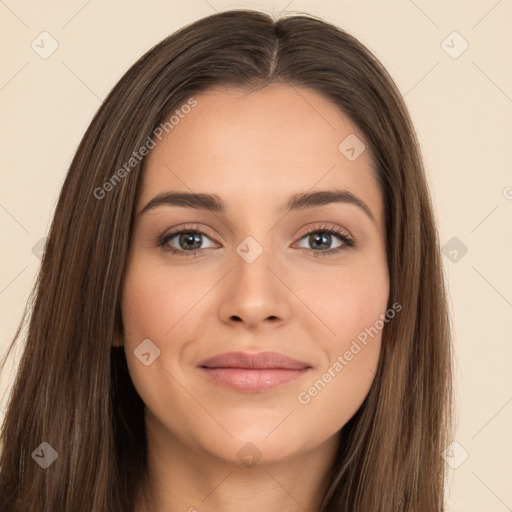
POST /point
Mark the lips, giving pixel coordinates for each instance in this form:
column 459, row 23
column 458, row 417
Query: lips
column 261, row 361
column 251, row 373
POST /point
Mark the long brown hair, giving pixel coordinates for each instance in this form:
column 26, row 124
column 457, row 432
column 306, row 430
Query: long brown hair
column 73, row 389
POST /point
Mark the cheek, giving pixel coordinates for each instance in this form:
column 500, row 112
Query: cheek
column 346, row 301
column 142, row 310
column 335, row 393
column 155, row 300
column 352, row 306
column 149, row 310
column 337, row 389
column 158, row 305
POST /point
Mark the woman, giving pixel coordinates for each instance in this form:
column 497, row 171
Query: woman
column 192, row 345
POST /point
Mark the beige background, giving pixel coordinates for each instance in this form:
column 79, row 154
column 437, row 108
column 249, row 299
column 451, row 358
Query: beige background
column 462, row 110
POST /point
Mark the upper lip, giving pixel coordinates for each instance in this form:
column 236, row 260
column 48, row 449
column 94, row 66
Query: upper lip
column 254, row 361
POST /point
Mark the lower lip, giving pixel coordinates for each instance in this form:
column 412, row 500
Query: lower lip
column 253, row 381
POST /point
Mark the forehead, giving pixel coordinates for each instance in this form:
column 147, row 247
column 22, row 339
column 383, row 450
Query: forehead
column 259, row 146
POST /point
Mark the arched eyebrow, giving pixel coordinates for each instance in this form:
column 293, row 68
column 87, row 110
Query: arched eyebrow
column 300, row 201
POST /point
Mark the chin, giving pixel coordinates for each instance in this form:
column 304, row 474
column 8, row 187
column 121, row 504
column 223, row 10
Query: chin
column 250, row 446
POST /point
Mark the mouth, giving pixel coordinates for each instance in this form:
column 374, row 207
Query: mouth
column 253, row 373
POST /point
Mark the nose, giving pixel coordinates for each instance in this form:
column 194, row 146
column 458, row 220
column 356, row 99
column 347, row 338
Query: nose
column 256, row 293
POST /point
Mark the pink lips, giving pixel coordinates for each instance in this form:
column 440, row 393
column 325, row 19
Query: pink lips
column 248, row 372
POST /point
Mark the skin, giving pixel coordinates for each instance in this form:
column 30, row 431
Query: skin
column 254, row 150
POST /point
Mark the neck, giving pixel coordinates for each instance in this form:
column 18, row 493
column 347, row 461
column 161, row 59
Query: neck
column 182, row 478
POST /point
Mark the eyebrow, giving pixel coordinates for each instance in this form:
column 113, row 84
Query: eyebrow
column 300, row 201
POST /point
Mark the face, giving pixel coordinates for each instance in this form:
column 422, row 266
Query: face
column 309, row 282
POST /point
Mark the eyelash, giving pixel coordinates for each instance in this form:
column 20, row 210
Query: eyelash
column 348, row 242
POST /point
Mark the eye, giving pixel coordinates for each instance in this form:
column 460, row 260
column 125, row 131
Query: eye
column 190, row 242
column 322, row 238
column 185, row 242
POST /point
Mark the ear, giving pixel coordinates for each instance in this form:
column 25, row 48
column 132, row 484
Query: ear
column 117, row 342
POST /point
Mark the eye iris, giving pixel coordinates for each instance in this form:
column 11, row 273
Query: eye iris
column 190, row 238
column 316, row 240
